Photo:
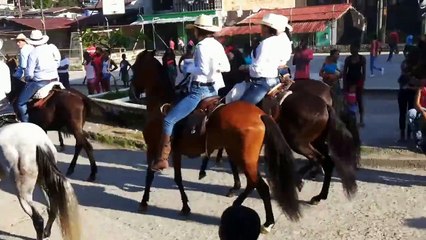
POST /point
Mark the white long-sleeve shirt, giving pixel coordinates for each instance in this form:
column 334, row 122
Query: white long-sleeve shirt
column 23, row 55
column 271, row 53
column 210, row 61
column 42, row 63
column 5, row 86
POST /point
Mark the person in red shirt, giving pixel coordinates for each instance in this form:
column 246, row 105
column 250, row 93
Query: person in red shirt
column 375, row 50
column 97, row 64
column 393, row 44
column 417, row 117
column 301, row 59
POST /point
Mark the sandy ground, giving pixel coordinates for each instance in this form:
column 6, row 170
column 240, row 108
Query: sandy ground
column 389, row 204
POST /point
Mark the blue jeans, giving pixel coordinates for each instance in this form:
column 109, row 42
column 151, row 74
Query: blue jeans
column 258, row 89
column 185, row 106
column 372, row 65
column 29, row 90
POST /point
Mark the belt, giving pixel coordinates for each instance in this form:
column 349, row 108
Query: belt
column 261, row 79
column 51, row 80
column 201, row 84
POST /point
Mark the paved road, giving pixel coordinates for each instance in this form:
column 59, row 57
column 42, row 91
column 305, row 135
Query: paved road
column 389, row 204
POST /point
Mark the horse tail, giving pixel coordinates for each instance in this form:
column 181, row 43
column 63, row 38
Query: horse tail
column 280, row 162
column 89, row 104
column 343, row 151
column 61, row 193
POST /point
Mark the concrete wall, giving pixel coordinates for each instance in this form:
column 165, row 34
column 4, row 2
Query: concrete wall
column 232, row 5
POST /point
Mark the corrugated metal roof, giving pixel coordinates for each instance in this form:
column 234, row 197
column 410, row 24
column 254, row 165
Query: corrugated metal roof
column 50, row 23
column 303, row 14
column 298, row 27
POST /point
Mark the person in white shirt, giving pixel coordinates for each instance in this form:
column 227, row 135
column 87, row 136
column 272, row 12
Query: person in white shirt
column 41, row 69
column 24, row 51
column 271, row 55
column 64, row 76
column 210, row 61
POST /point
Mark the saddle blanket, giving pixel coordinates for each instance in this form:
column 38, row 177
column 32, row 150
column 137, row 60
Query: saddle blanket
column 238, row 90
column 44, row 91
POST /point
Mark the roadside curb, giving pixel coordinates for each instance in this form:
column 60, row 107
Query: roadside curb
column 366, row 160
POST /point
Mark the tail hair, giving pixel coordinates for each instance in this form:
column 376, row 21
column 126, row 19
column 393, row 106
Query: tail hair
column 280, row 162
column 343, row 152
column 59, row 189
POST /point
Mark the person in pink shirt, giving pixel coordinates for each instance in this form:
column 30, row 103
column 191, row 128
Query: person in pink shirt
column 301, row 59
column 171, row 44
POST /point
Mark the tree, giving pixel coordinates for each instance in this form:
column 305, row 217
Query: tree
column 46, row 4
column 116, row 39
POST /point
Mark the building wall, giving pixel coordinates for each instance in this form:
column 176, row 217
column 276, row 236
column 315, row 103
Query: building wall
column 232, row 5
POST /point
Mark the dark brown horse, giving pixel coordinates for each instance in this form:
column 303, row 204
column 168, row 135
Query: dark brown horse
column 313, row 130
column 240, row 128
column 66, row 111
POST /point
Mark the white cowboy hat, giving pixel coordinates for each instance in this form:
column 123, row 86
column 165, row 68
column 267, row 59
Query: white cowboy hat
column 276, row 21
column 37, row 38
column 205, row 22
column 21, row 37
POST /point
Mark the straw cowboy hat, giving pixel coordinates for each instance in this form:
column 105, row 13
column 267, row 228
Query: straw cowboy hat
column 277, row 22
column 204, row 22
column 21, row 37
column 37, row 38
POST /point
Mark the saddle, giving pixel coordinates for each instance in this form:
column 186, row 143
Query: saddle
column 7, row 113
column 45, row 93
column 271, row 103
column 194, row 125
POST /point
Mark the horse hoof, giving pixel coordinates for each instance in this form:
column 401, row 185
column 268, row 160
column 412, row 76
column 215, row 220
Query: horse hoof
column 231, row 193
column 69, row 172
column 186, row 211
column 202, row 175
column 266, row 229
column 143, row 208
column 46, row 234
column 315, row 200
column 91, row 178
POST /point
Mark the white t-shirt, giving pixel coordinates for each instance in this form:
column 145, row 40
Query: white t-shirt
column 90, row 71
column 62, row 63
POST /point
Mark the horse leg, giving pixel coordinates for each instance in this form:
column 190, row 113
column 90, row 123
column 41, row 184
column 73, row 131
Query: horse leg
column 328, row 166
column 202, row 174
column 237, row 181
column 263, row 190
column 312, row 155
column 177, row 165
column 143, row 206
column 25, row 188
column 89, row 150
column 61, row 142
column 219, row 156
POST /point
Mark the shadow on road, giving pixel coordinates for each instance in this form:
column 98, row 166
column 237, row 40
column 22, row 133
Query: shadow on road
column 419, row 223
column 11, row 236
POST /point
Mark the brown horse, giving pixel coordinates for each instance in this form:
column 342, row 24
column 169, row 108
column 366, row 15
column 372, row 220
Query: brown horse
column 66, row 111
column 313, row 130
column 240, row 128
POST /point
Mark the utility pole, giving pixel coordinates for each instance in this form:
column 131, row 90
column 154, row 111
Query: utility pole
column 382, row 8
column 19, row 8
column 42, row 17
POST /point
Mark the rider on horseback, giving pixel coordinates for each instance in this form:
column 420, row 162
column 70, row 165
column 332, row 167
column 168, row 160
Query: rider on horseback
column 210, row 61
column 41, row 69
column 270, row 56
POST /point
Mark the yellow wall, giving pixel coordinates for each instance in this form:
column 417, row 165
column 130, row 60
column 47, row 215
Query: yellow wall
column 232, row 5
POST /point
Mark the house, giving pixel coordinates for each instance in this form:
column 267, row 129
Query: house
column 166, row 19
column 58, row 30
column 322, row 25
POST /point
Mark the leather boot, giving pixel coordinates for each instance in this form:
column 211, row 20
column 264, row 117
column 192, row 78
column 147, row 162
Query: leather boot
column 162, row 161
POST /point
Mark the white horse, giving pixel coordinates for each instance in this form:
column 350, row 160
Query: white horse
column 27, row 155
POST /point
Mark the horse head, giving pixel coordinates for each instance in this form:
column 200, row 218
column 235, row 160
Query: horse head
column 149, row 76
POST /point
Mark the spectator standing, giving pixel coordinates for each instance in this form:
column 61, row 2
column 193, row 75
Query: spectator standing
column 64, row 76
column 301, row 59
column 375, row 50
column 124, row 70
column 393, row 44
